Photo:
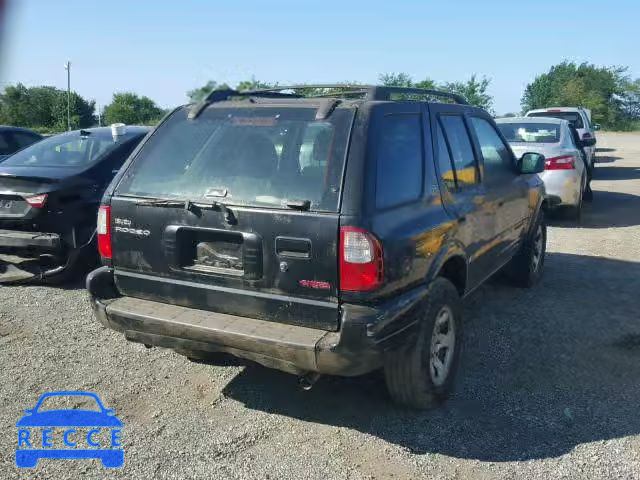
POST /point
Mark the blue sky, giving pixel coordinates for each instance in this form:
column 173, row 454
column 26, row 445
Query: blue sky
column 164, row 48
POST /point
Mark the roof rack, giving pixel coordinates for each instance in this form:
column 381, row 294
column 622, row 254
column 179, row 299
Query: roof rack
column 366, row 92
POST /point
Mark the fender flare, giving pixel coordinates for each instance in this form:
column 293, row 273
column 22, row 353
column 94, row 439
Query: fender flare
column 449, row 251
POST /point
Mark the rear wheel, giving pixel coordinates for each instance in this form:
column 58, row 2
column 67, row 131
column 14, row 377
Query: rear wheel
column 575, row 212
column 421, row 373
column 525, row 269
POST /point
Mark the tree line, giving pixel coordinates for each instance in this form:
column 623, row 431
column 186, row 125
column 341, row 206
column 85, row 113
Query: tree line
column 44, row 109
column 611, row 94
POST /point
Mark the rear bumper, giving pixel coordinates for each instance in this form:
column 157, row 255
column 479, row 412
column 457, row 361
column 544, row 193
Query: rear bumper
column 358, row 348
column 31, row 256
column 38, row 241
column 564, row 186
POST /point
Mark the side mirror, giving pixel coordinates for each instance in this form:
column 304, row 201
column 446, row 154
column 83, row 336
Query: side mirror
column 531, row 163
column 596, row 126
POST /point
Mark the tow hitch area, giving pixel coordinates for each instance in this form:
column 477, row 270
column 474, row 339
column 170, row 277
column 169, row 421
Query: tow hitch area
column 16, row 269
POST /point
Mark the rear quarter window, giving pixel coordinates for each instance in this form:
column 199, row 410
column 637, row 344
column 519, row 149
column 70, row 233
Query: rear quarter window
column 399, row 176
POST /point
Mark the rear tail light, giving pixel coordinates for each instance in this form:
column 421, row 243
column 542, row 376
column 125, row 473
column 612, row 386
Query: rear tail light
column 104, row 231
column 565, row 162
column 361, row 260
column 37, row 201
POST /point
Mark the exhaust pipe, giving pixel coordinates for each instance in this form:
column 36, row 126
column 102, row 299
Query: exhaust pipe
column 307, row 381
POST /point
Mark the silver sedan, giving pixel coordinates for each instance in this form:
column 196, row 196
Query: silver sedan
column 565, row 175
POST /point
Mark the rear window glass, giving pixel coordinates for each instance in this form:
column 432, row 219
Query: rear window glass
column 530, row 132
column 5, row 144
column 262, row 156
column 24, row 139
column 69, row 150
column 573, row 118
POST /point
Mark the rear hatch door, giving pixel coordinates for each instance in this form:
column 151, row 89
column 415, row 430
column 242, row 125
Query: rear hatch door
column 236, row 212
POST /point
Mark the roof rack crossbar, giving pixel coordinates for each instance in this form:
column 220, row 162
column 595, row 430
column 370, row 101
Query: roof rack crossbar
column 327, row 108
column 228, row 93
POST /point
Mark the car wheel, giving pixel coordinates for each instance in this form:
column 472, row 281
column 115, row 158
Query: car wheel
column 420, row 374
column 587, row 196
column 575, row 212
column 525, row 269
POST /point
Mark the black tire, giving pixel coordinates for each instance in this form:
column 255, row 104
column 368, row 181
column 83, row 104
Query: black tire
column 407, row 369
column 523, row 269
column 574, row 213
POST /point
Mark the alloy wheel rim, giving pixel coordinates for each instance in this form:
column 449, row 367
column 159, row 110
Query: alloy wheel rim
column 442, row 346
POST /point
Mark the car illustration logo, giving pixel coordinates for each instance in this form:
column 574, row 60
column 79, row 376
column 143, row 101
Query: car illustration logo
column 69, row 433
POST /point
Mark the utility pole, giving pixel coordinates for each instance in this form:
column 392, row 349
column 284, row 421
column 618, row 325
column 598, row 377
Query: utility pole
column 67, row 67
column 99, row 118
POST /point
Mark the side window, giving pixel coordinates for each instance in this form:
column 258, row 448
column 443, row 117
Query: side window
column 463, row 158
column 399, row 176
column 5, row 144
column 570, row 136
column 498, row 161
column 24, row 139
column 445, row 166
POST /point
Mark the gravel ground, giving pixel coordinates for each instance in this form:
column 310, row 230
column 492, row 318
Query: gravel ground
column 549, row 384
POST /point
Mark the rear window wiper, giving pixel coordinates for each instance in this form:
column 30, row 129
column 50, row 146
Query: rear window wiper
column 161, row 202
column 190, row 206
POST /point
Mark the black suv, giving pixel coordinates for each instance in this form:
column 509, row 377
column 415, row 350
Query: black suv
column 49, row 197
column 327, row 235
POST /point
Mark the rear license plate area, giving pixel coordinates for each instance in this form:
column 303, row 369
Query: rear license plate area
column 212, row 252
column 13, row 206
